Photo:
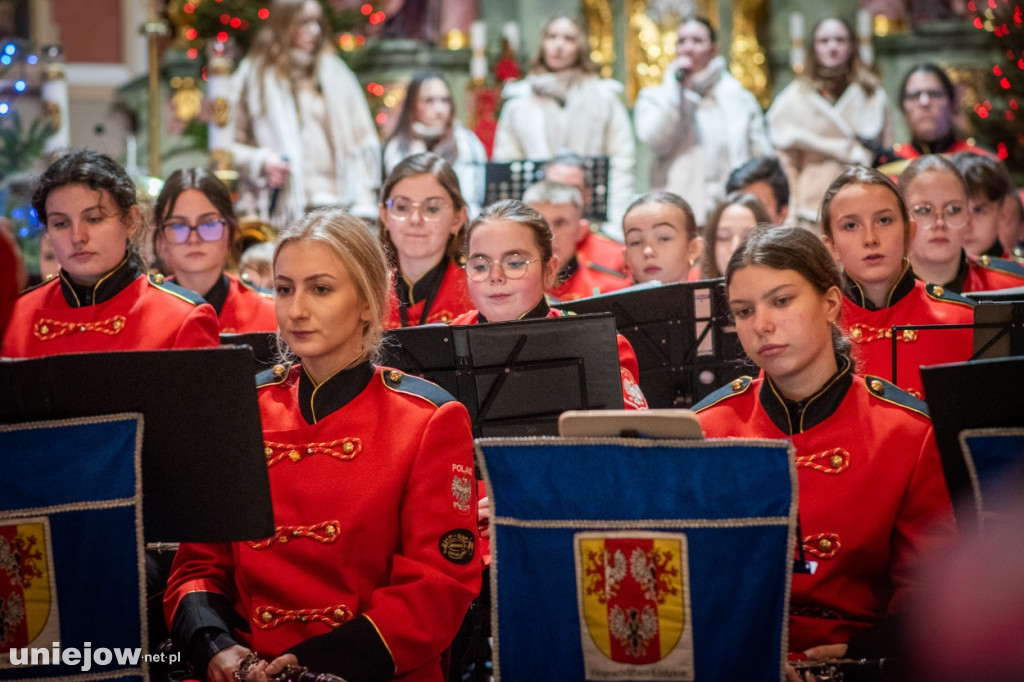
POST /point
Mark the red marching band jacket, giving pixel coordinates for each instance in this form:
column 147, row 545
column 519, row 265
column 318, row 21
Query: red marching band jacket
column 588, row 279
column 147, row 314
column 872, row 496
column 919, row 304
column 373, row 563
column 452, row 299
column 601, row 250
column 986, row 273
column 246, row 309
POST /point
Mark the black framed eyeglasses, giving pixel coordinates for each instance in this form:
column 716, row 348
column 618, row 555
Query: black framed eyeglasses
column 208, row 231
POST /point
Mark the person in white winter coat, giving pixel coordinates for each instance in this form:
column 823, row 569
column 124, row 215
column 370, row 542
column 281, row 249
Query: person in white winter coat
column 700, row 123
column 427, row 123
column 563, row 105
column 832, row 116
column 304, row 136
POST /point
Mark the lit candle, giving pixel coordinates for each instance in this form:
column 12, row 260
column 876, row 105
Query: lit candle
column 796, row 37
column 478, row 35
column 131, row 162
column 864, row 21
column 510, row 31
column 796, row 26
column 478, row 68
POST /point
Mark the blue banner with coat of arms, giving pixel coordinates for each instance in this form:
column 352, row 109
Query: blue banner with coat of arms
column 991, row 456
column 640, row 559
column 72, row 596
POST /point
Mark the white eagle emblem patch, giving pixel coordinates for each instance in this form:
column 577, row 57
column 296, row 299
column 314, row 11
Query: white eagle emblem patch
column 461, row 488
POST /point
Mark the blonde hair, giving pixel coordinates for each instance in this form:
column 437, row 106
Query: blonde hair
column 583, row 61
column 357, row 249
column 272, row 47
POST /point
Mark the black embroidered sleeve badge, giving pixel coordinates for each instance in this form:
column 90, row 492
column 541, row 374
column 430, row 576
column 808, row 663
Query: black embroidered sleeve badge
column 458, row 546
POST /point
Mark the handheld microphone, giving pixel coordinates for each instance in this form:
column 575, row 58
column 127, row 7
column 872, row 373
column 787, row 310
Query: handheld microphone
column 682, row 74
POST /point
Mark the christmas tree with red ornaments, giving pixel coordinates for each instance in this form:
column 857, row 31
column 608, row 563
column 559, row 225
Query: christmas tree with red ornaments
column 240, row 20
column 998, row 119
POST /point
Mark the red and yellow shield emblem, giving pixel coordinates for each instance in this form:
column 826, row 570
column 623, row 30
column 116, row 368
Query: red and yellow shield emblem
column 28, row 601
column 634, row 604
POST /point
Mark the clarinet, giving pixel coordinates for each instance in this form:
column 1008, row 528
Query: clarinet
column 291, row 673
column 843, row 669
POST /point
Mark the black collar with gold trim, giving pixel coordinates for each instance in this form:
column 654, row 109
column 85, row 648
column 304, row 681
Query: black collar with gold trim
column 217, row 296
column 568, row 269
column 429, row 283
column 424, row 289
column 995, row 251
column 939, row 146
column 903, row 286
column 793, row 417
column 108, row 286
column 316, row 402
column 957, row 283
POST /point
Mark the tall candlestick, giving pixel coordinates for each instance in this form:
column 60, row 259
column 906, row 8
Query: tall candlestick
column 796, row 38
column 510, row 31
column 55, row 105
column 864, row 22
column 478, row 35
column 221, row 134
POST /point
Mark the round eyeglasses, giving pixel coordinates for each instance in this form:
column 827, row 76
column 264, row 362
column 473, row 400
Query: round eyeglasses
column 208, row 231
column 513, row 266
column 431, row 210
column 955, row 216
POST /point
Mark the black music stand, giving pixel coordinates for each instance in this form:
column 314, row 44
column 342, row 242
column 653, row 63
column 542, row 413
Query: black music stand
column 516, row 378
column 510, row 179
column 682, row 335
column 262, row 344
column 204, row 475
column 971, row 395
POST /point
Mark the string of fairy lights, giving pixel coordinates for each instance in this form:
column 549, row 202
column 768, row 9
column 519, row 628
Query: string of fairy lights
column 16, row 56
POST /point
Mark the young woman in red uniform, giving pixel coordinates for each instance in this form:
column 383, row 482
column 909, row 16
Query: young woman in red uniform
column 510, row 263
column 102, row 299
column 937, row 196
column 422, row 218
column 867, row 227
column 197, row 230
column 371, row 568
column 872, row 492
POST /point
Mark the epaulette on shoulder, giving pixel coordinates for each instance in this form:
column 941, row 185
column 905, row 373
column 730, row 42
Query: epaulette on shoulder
column 265, row 293
column 52, row 279
column 733, row 388
column 891, row 393
column 158, row 281
column 605, row 270
column 1003, row 265
column 273, row 375
column 421, row 388
column 941, row 293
